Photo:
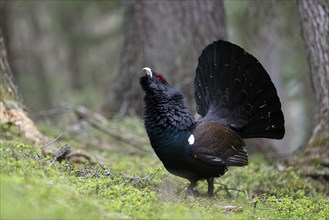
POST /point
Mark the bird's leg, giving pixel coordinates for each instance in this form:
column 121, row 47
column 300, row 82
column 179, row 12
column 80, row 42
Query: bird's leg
column 210, row 182
column 190, row 188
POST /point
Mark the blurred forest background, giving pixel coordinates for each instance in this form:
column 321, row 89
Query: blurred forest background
column 74, row 67
column 70, row 53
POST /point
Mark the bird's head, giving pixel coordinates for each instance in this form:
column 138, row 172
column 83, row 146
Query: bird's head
column 164, row 105
column 154, row 83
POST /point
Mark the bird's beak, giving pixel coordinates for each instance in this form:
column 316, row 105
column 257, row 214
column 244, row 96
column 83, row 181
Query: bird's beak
column 148, row 71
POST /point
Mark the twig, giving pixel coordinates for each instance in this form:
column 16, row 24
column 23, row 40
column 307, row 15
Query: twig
column 266, row 200
column 140, row 182
column 86, row 171
column 226, row 188
column 51, row 112
column 106, row 171
column 51, row 142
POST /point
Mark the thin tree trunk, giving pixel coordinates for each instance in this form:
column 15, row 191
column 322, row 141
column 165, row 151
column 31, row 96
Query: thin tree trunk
column 39, row 66
column 68, row 19
column 167, row 36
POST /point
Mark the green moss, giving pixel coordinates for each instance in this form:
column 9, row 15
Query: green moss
column 320, row 141
column 139, row 187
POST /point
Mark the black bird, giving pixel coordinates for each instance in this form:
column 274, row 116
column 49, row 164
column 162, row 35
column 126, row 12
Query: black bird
column 236, row 99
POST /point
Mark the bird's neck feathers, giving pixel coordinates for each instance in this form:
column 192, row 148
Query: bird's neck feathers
column 168, row 123
column 167, row 111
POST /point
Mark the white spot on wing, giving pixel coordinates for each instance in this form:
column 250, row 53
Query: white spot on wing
column 191, row 139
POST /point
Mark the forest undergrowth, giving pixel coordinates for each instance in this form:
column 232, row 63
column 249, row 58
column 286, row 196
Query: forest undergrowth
column 90, row 173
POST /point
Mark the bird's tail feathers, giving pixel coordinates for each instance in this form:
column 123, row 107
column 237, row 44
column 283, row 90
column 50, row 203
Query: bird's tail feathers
column 232, row 87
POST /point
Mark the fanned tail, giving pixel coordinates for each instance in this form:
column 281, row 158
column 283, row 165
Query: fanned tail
column 232, row 87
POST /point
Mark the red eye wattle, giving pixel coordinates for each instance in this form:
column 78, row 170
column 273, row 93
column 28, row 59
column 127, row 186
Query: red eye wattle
column 161, row 77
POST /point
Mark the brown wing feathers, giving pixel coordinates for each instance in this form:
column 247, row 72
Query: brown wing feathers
column 218, row 145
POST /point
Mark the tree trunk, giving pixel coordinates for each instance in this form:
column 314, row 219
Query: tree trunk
column 12, row 111
column 168, row 37
column 68, row 19
column 314, row 17
column 8, row 90
column 32, row 51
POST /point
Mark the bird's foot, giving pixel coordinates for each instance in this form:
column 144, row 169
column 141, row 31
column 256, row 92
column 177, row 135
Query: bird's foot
column 192, row 192
column 211, row 195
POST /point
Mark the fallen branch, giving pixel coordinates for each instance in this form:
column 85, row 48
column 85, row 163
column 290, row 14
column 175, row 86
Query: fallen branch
column 226, row 188
column 97, row 121
column 78, row 155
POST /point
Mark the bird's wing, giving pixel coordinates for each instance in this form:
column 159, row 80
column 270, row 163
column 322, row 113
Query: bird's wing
column 218, row 145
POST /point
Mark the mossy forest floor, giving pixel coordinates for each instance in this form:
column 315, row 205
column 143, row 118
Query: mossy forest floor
column 106, row 178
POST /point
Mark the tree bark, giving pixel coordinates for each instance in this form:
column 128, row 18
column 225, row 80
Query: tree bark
column 12, row 111
column 314, row 16
column 8, row 90
column 168, row 37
